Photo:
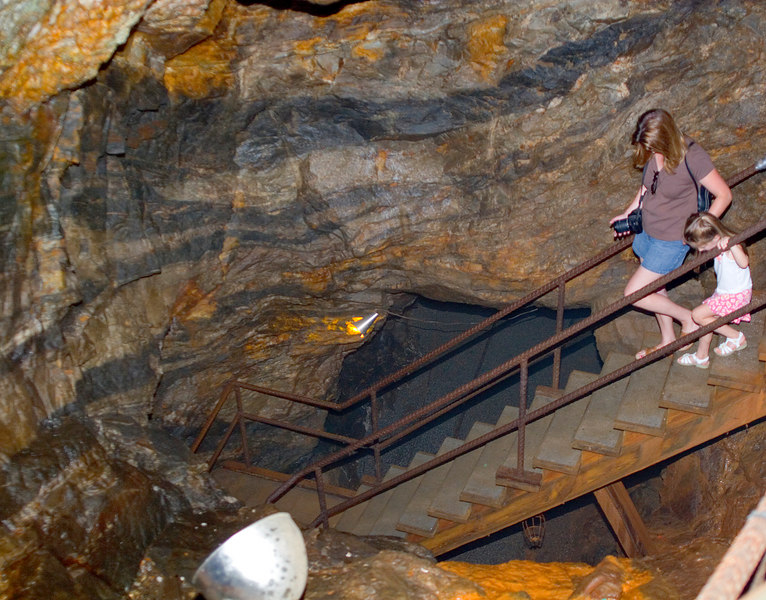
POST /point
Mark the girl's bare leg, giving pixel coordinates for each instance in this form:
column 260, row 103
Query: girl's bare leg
column 703, row 315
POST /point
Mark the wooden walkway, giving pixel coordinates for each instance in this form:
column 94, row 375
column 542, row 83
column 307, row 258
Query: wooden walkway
column 650, row 416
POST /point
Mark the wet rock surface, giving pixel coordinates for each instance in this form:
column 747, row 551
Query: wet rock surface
column 78, row 514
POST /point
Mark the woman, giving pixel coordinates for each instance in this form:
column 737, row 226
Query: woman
column 671, row 197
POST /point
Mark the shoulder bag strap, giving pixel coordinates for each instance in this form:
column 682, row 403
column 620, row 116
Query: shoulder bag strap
column 696, row 185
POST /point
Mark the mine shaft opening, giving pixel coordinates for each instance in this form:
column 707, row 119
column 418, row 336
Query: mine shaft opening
column 424, row 325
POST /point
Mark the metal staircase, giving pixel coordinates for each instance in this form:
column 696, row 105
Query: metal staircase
column 572, row 440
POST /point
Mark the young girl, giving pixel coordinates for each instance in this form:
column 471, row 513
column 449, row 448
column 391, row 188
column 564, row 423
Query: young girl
column 704, row 232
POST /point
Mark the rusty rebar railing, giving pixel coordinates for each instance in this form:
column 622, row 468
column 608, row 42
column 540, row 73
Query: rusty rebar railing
column 381, row 438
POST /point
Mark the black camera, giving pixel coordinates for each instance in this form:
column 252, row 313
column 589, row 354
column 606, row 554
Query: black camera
column 631, row 224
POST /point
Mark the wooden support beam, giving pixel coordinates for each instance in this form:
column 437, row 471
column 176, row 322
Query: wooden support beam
column 626, row 523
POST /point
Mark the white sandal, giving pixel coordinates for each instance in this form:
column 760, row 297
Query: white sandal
column 732, row 345
column 691, row 360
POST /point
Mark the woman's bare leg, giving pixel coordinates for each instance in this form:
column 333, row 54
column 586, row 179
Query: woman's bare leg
column 661, row 305
column 664, row 321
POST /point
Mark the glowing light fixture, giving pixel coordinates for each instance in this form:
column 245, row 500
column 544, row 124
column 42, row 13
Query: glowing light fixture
column 360, row 325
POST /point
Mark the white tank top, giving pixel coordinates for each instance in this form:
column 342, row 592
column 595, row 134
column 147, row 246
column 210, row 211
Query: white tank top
column 732, row 278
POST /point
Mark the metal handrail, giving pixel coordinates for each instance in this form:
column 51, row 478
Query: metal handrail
column 386, row 435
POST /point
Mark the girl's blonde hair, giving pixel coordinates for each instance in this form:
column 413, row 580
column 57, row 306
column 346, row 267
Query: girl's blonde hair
column 656, row 131
column 702, row 227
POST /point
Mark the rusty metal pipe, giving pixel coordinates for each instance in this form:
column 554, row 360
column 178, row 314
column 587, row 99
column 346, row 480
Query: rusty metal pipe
column 522, row 414
column 206, row 427
column 559, row 329
column 242, row 427
column 318, row 433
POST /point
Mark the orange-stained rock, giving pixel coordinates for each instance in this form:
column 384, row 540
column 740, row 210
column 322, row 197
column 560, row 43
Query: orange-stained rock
column 486, row 45
column 65, row 47
column 612, row 579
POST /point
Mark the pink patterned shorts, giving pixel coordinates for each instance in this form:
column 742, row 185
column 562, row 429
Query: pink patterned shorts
column 723, row 304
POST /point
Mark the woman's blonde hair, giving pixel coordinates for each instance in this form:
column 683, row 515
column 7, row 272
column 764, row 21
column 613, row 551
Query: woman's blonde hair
column 656, row 131
column 702, row 227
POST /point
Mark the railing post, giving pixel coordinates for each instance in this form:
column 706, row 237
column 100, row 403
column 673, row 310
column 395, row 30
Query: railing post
column 221, row 445
column 559, row 329
column 242, row 426
column 213, row 415
column 374, row 425
column 523, row 373
column 321, row 496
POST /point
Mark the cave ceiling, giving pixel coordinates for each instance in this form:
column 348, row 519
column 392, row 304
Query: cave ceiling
column 195, row 190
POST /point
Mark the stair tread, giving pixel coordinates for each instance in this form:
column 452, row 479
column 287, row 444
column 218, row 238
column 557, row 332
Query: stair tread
column 533, row 435
column 556, row 452
column 350, row 517
column 640, row 409
column 376, row 505
column 481, row 487
column 596, row 432
column 447, row 503
column 741, row 370
column 687, row 389
column 415, row 518
column 402, row 494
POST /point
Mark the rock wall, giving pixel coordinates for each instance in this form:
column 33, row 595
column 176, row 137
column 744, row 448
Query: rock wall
column 197, row 192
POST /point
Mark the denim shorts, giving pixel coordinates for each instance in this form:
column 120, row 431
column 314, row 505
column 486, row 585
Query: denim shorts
column 659, row 256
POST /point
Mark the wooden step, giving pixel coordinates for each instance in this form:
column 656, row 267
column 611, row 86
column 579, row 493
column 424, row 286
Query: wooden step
column 349, row 518
column 481, row 487
column 375, row 506
column 640, row 407
column 596, row 432
column 415, row 518
column 447, row 503
column 686, row 388
column 741, row 370
column 507, row 474
column 556, row 452
column 402, row 494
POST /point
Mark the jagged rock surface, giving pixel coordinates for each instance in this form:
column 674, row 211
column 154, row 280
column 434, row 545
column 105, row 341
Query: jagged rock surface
column 200, row 190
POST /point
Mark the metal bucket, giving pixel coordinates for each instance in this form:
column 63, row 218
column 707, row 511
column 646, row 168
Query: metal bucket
column 264, row 561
